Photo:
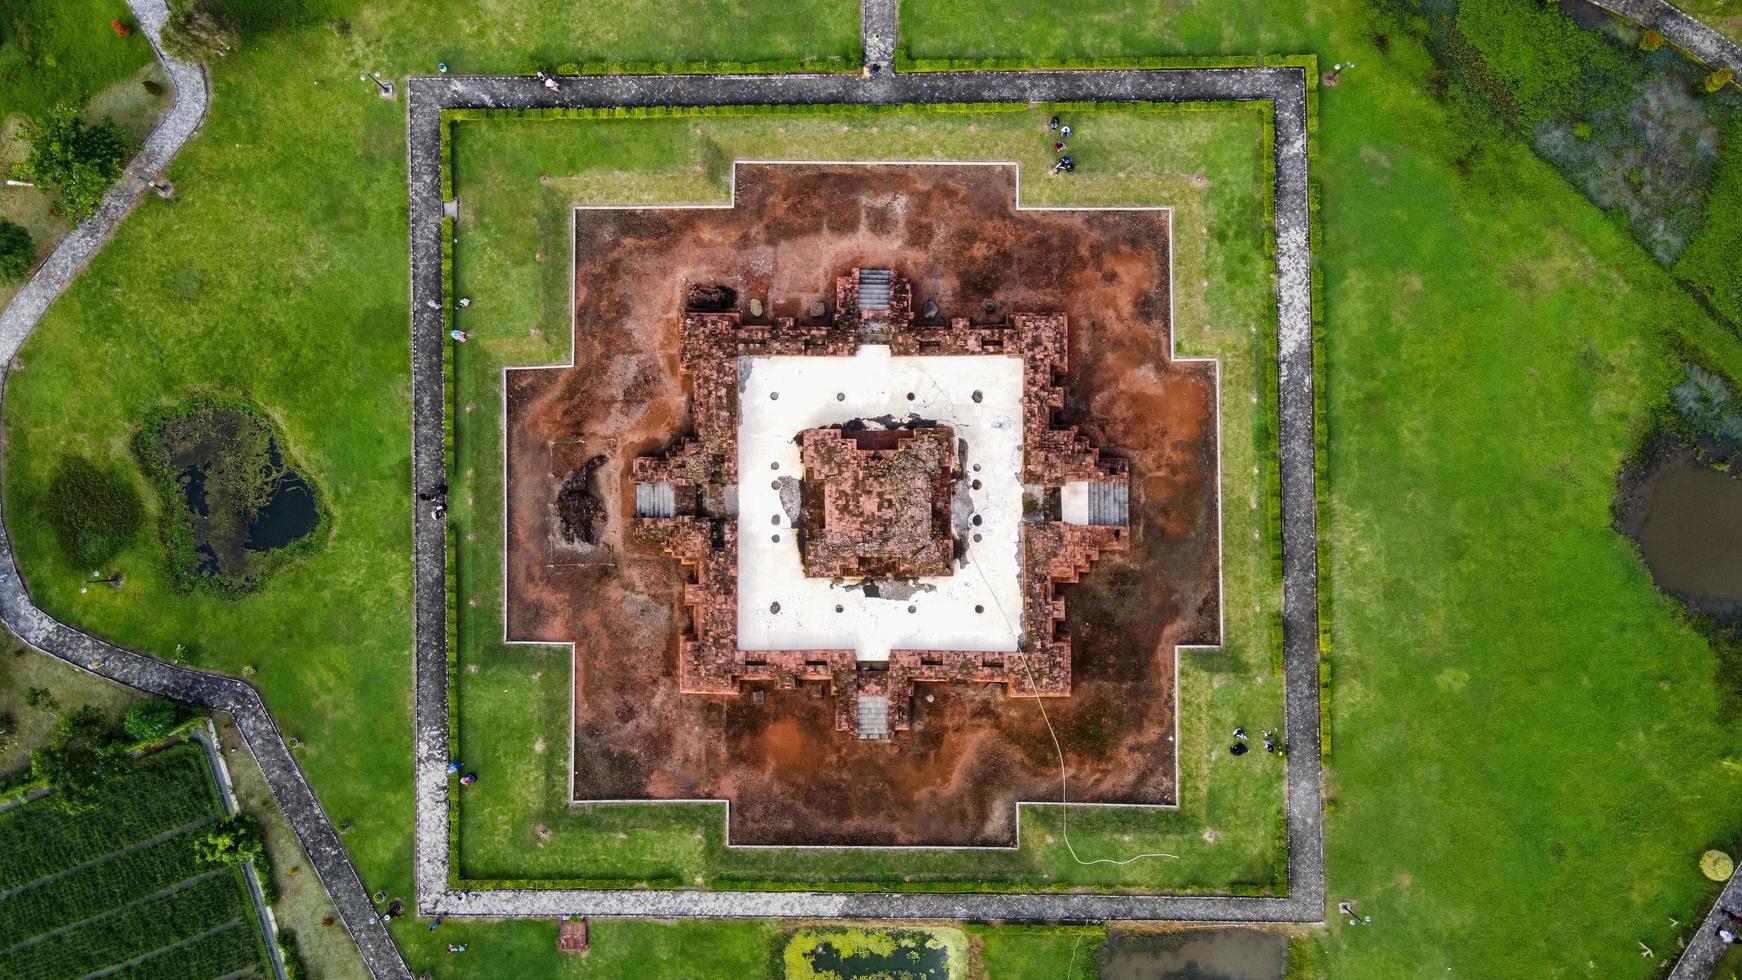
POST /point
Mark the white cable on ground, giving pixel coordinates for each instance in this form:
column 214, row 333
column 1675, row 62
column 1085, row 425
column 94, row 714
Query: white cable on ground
column 1064, row 807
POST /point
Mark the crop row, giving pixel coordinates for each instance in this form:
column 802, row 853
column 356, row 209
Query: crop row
column 130, row 932
column 217, row 955
column 156, row 794
column 97, row 889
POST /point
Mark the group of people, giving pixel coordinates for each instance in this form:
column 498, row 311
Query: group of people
column 1271, row 744
column 1064, row 164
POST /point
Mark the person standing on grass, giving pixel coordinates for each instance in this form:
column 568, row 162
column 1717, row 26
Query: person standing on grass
column 459, row 335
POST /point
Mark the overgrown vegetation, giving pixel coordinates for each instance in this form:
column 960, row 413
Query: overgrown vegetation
column 150, row 719
column 95, row 511
column 1637, row 126
column 85, row 893
column 81, row 761
column 74, row 160
column 220, row 472
column 17, row 251
column 200, row 30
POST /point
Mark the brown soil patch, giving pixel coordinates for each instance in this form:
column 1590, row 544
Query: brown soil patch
column 973, row 752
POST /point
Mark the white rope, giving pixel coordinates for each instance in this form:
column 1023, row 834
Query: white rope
column 1064, row 807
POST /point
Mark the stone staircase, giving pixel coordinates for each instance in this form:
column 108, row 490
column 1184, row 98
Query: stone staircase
column 873, row 290
column 873, row 716
column 1110, row 503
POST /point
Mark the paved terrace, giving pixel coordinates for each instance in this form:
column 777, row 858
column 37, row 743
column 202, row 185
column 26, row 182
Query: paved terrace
column 1284, row 87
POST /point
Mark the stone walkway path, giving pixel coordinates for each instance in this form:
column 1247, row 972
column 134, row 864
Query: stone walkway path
column 35, row 627
column 1284, row 87
column 1679, row 29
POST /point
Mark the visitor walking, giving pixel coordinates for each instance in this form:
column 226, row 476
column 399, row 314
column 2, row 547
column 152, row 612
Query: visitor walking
column 550, row 83
column 1065, row 133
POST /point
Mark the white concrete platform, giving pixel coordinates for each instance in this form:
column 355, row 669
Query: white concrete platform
column 780, row 397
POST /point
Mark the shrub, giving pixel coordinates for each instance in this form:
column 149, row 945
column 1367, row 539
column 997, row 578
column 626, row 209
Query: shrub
column 233, row 842
column 17, row 251
column 200, row 30
column 150, row 719
column 74, row 160
column 1718, row 79
column 1650, row 41
column 95, row 512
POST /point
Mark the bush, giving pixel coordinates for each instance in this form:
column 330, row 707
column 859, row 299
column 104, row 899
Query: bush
column 1718, row 79
column 150, row 719
column 17, row 251
column 95, row 512
column 74, row 160
column 234, row 842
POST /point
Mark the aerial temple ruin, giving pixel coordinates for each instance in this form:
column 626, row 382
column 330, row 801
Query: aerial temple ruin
column 917, row 494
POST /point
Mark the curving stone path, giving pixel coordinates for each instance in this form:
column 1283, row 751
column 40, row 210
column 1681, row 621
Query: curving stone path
column 1284, row 87
column 40, row 630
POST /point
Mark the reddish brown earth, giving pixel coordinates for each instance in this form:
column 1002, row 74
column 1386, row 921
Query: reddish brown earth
column 973, row 752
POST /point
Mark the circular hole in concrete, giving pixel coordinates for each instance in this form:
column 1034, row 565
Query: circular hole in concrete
column 979, row 609
column 978, row 520
column 774, row 607
column 910, row 396
column 774, row 484
column 977, row 397
column 774, row 466
column 774, row 396
column 976, row 539
column 776, row 538
column 840, row 396
column 975, row 484
column 840, row 609
column 775, row 520
column 976, row 467
column 913, row 609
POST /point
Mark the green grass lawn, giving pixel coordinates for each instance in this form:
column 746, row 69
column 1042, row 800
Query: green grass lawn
column 1225, row 829
column 65, row 51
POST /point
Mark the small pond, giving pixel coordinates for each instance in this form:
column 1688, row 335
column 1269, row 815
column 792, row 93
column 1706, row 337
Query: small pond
column 1211, row 954
column 907, row 961
column 242, row 504
column 1688, row 522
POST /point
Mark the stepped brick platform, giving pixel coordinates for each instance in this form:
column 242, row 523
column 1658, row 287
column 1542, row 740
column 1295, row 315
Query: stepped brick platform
column 875, row 505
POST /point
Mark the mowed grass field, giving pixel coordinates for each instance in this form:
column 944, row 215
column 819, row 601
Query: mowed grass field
column 120, row 887
column 519, row 181
column 1527, row 757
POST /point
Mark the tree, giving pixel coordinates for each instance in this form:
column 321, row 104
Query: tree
column 79, row 761
column 95, row 512
column 42, row 699
column 233, row 842
column 150, row 719
column 200, row 30
column 75, row 160
column 17, row 251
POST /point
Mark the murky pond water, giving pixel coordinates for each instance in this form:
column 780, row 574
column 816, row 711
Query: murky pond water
column 1691, row 535
column 1218, row 954
column 909, row 961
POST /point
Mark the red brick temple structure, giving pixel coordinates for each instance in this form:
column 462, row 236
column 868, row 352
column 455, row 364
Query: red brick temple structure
column 900, row 497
